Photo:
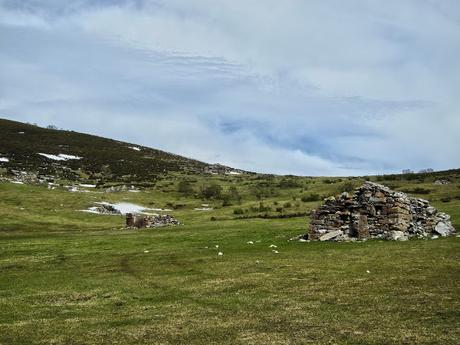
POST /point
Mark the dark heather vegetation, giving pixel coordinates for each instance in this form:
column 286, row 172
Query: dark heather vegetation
column 70, row 277
column 102, row 159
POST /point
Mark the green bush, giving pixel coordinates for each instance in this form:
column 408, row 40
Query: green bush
column 311, row 197
column 185, row 187
column 212, row 191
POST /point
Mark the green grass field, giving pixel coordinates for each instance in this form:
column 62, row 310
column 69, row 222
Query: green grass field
column 68, row 277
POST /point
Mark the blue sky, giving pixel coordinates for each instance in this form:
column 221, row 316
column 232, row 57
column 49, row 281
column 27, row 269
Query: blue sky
column 301, row 87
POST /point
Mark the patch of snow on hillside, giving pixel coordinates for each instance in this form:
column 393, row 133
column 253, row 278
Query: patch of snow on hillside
column 66, row 157
column 4, row 159
column 135, row 148
column 123, row 207
column 202, row 209
column 59, row 157
column 233, row 173
column 87, row 185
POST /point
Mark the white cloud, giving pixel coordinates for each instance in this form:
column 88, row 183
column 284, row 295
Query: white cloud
column 303, row 87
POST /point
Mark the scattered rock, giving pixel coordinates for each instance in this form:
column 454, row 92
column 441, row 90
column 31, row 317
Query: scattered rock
column 397, row 236
column 441, row 181
column 105, row 208
column 375, row 211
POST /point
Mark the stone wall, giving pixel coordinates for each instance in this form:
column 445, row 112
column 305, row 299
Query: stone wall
column 140, row 221
column 375, row 211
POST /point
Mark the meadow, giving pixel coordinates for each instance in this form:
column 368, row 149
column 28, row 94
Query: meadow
column 69, row 277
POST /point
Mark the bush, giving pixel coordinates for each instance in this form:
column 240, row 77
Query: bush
column 238, row 211
column 417, row 190
column 288, row 183
column 185, row 187
column 279, row 209
column 287, row 205
column 311, row 197
column 213, row 191
column 347, row 187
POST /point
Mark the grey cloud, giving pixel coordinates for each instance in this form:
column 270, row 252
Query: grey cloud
column 296, row 87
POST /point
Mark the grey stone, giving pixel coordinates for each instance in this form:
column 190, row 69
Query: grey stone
column 443, row 229
column 331, row 235
column 398, row 236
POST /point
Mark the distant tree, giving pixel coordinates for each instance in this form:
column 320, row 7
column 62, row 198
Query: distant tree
column 52, row 127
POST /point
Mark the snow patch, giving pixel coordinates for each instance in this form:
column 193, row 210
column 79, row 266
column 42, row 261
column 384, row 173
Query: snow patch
column 87, row 185
column 233, row 173
column 59, row 157
column 203, row 209
column 124, row 208
column 4, row 159
column 135, row 148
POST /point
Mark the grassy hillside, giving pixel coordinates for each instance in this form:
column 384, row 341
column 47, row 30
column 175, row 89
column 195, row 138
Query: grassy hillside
column 101, row 159
column 68, row 277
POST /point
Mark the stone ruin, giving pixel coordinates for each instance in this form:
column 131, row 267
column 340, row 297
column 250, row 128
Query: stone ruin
column 141, row 221
column 376, row 211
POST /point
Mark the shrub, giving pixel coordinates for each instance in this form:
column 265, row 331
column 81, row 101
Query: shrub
column 213, row 191
column 287, row 205
column 185, row 187
column 347, row 187
column 417, row 190
column 288, row 183
column 238, row 211
column 311, row 197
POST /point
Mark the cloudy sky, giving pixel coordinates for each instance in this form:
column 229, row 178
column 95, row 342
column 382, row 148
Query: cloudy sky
column 307, row 87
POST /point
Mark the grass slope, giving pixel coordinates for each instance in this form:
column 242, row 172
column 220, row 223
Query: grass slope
column 68, row 277
column 102, row 159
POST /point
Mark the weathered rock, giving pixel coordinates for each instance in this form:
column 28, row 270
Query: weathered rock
column 331, row 235
column 104, row 208
column 444, row 229
column 441, row 182
column 375, row 211
column 398, row 236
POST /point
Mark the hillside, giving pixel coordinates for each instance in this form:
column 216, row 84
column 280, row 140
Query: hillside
column 84, row 157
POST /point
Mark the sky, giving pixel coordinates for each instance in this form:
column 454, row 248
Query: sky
column 304, row 87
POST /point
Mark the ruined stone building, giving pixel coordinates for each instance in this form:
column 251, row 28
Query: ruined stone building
column 141, row 221
column 375, row 211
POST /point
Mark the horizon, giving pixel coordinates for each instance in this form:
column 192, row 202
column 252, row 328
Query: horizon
column 299, row 88
column 400, row 172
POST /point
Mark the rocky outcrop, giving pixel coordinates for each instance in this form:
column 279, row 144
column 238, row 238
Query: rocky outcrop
column 139, row 221
column 375, row 211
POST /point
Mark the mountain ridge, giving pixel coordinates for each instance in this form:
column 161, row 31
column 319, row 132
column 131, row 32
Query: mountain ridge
column 73, row 155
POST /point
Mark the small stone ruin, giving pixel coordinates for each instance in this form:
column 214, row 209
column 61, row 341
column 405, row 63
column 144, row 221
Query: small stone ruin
column 376, row 211
column 141, row 221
